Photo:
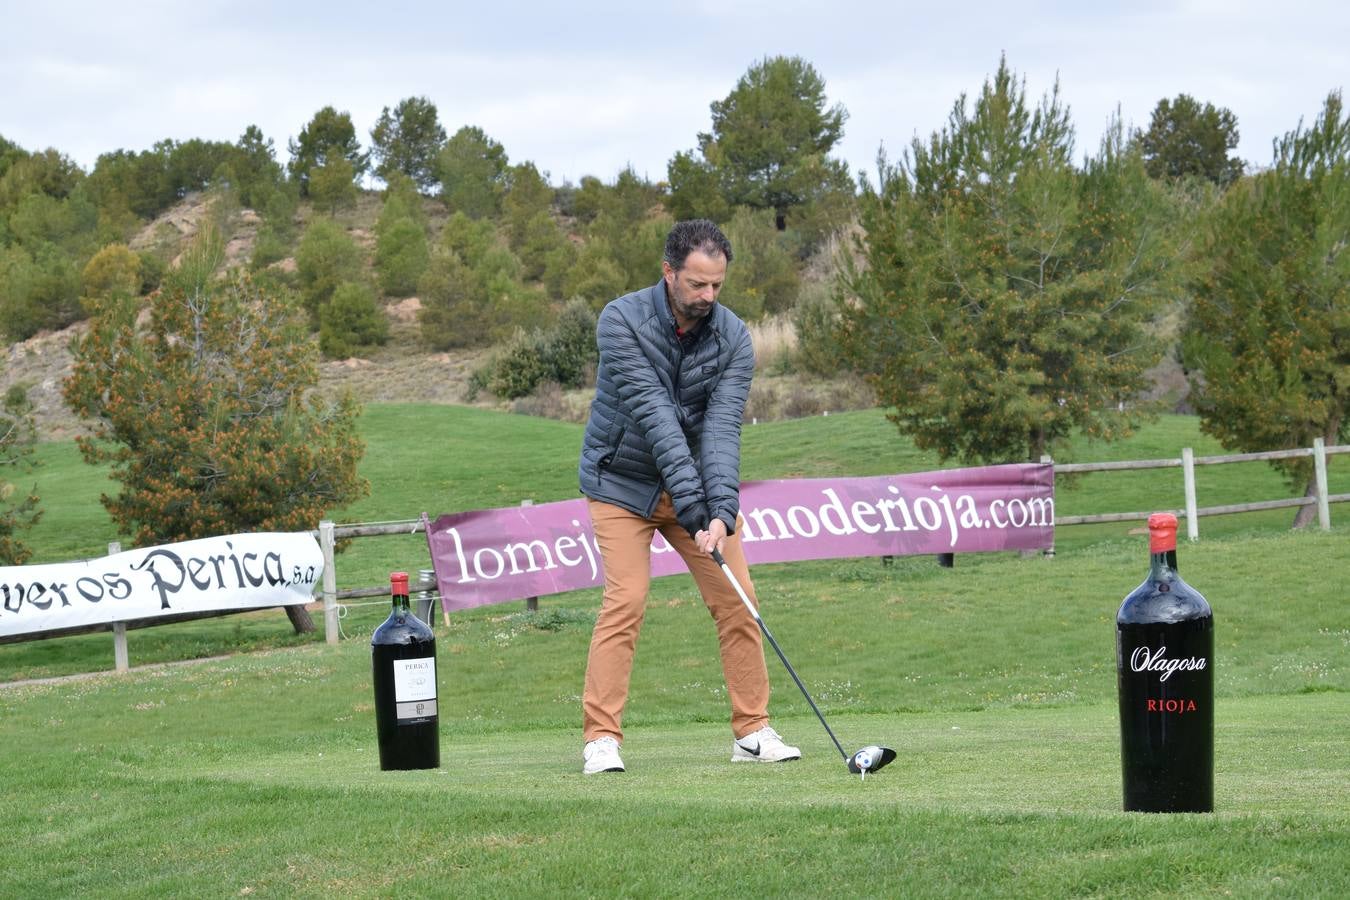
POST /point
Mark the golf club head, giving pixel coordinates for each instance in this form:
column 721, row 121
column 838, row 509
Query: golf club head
column 870, row 759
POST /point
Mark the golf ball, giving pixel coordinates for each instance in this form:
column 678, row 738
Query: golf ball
column 863, row 759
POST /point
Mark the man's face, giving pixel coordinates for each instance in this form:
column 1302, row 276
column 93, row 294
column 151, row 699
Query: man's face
column 693, row 289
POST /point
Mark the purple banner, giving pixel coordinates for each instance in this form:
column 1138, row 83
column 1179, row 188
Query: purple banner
column 495, row 555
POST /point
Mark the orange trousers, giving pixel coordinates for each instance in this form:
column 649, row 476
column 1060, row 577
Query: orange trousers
column 625, row 540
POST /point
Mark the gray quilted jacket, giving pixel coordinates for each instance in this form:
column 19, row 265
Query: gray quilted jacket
column 666, row 417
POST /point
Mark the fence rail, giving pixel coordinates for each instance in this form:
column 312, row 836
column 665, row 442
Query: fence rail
column 1192, row 512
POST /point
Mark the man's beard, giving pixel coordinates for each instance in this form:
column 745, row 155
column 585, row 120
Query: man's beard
column 686, row 308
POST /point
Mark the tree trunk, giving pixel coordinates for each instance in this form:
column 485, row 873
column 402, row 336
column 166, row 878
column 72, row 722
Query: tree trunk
column 300, row 619
column 1306, row 514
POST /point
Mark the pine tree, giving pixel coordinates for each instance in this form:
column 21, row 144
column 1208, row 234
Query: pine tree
column 1268, row 337
column 407, row 141
column 206, row 413
column 1004, row 295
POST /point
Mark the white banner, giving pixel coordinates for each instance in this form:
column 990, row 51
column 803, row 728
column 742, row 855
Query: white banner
column 240, row 571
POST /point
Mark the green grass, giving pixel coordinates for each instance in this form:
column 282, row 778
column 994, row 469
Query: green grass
column 257, row 774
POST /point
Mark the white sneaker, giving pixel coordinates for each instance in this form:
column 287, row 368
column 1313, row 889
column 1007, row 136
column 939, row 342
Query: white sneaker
column 601, row 755
column 765, row 745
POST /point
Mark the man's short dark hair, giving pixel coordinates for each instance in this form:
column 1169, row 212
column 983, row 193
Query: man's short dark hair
column 695, row 234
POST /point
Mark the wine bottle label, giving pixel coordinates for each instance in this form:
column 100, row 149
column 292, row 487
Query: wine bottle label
column 415, row 679
column 1145, row 660
column 416, row 709
column 414, row 688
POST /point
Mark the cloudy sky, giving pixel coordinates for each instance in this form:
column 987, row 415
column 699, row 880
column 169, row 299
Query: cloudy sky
column 586, row 88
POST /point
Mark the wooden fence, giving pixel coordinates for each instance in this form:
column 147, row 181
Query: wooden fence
column 1191, row 512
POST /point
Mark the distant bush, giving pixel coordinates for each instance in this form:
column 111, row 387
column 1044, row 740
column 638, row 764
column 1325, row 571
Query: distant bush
column 268, row 248
column 327, row 257
column 763, row 278
column 401, row 257
column 543, row 239
column 595, row 276
column 520, row 366
column 153, row 268
column 113, row 270
column 563, row 354
column 475, row 304
column 351, row 320
column 816, row 318
column 276, row 235
column 39, row 291
column 546, row 401
column 332, row 186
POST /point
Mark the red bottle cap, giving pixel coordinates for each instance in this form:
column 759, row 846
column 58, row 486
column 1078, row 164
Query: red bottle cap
column 1162, row 532
column 399, row 580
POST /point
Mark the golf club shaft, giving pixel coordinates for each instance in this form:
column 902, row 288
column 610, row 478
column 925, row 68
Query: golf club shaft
column 726, row 570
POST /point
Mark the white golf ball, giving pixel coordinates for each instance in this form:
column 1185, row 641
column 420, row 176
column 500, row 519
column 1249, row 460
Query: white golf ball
column 863, row 759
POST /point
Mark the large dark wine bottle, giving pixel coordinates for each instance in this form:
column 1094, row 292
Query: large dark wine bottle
column 403, row 664
column 1165, row 680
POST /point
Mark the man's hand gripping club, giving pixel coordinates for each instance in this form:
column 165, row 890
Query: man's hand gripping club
column 714, row 537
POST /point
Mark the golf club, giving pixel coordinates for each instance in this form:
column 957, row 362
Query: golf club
column 868, row 759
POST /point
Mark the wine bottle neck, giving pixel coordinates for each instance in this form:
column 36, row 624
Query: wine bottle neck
column 400, row 603
column 1163, row 561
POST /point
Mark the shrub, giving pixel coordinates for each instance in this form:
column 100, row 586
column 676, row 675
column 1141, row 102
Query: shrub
column 113, row 270
column 564, row 353
column 153, row 268
column 519, row 367
column 268, row 247
column 595, row 276
column 351, row 320
column 207, row 412
column 401, row 257
column 546, row 401
column 569, row 348
column 327, row 257
column 542, row 239
column 18, row 508
column 763, row 278
column 448, row 296
column 37, row 291
column 816, row 318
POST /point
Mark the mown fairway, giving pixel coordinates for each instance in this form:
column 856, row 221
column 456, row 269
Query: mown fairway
column 257, row 774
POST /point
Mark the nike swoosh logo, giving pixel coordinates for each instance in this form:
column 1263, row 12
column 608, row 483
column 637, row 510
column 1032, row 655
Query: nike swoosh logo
column 752, row 751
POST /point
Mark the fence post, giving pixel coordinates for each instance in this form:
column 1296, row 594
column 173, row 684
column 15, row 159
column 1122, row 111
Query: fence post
column 330, row 610
column 1320, row 465
column 531, row 603
column 1188, row 473
column 121, row 658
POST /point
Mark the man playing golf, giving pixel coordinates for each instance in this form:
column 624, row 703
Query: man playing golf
column 662, row 453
